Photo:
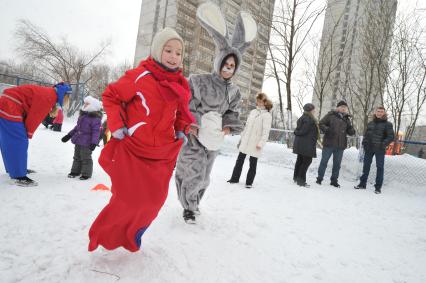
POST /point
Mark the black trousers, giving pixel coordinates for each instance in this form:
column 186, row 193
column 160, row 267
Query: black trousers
column 239, row 167
column 83, row 163
column 300, row 169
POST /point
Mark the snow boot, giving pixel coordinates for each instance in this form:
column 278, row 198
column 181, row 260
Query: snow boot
column 360, row 187
column 189, row 216
column 249, row 186
column 318, row 181
column 232, row 181
column 29, row 171
column 25, row 182
column 73, row 175
column 84, row 178
column 378, row 190
column 303, row 184
column 335, row 184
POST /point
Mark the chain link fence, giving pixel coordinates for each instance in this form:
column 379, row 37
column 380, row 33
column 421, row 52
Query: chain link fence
column 404, row 170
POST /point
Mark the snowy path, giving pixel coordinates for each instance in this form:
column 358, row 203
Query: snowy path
column 275, row 232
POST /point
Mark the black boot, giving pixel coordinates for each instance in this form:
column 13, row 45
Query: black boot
column 334, row 183
column 232, row 181
column 318, row 181
column 25, row 182
column 73, row 175
column 84, row 177
column 378, row 190
column 360, row 187
column 189, row 216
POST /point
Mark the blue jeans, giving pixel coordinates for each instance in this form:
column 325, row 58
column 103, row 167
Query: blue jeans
column 337, row 160
column 380, row 164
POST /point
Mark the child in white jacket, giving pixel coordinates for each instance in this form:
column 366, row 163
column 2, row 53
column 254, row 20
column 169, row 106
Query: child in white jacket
column 253, row 139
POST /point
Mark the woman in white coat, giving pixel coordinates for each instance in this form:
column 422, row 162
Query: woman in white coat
column 253, row 139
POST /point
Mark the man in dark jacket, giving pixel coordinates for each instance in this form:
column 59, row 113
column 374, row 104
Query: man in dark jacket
column 378, row 135
column 335, row 126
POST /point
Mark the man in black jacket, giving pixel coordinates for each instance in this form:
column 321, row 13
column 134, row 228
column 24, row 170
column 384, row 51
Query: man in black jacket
column 378, row 135
column 335, row 126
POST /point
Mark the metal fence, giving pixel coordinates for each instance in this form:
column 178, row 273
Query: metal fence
column 79, row 89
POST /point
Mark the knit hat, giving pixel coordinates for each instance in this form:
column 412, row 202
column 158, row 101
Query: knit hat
column 93, row 104
column 342, row 103
column 62, row 89
column 160, row 39
column 308, row 107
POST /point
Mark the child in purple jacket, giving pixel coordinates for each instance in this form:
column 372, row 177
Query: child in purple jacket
column 85, row 136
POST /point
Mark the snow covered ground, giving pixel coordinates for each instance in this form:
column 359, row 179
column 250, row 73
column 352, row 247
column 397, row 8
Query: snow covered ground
column 275, row 232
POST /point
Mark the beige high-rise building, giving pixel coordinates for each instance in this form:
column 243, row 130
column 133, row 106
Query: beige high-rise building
column 199, row 47
column 353, row 57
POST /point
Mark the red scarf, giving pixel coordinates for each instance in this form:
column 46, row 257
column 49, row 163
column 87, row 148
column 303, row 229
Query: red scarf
column 171, row 85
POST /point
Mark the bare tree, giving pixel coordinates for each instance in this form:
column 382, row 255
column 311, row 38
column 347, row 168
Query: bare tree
column 292, row 22
column 406, row 85
column 366, row 91
column 59, row 61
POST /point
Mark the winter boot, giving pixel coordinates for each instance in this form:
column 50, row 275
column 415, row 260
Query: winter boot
column 318, row 181
column 25, row 182
column 335, row 184
column 301, row 183
column 73, row 175
column 189, row 216
column 360, row 187
column 232, row 181
column 249, row 186
column 84, row 177
column 378, row 190
column 29, row 171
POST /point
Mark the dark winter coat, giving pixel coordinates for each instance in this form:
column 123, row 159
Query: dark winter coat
column 336, row 127
column 87, row 130
column 306, row 134
column 378, row 135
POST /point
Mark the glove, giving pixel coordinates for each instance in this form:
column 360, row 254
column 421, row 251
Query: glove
column 120, row 133
column 92, row 146
column 66, row 138
column 181, row 135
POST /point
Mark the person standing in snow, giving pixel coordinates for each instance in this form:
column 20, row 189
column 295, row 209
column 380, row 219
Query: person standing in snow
column 307, row 133
column 215, row 104
column 85, row 136
column 253, row 139
column 22, row 109
column 148, row 114
column 378, row 135
column 335, row 126
column 57, row 122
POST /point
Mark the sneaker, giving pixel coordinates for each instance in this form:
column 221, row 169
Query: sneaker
column 318, row 181
column 249, row 186
column 360, row 187
column 25, row 182
column 232, row 181
column 189, row 216
column 84, row 177
column 335, row 184
column 73, row 175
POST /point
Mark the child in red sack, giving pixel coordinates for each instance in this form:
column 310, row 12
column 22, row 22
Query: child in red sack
column 148, row 116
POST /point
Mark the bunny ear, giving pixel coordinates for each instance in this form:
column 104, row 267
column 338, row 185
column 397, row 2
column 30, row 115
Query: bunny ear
column 211, row 18
column 245, row 31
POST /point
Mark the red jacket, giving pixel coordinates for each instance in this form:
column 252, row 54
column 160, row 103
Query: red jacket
column 154, row 104
column 27, row 103
column 59, row 119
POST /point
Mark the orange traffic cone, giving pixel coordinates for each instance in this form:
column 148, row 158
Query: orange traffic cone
column 100, row 187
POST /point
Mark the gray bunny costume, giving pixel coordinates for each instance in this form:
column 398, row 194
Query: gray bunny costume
column 214, row 104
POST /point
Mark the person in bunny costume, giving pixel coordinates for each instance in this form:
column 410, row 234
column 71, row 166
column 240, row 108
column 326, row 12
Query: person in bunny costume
column 215, row 105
